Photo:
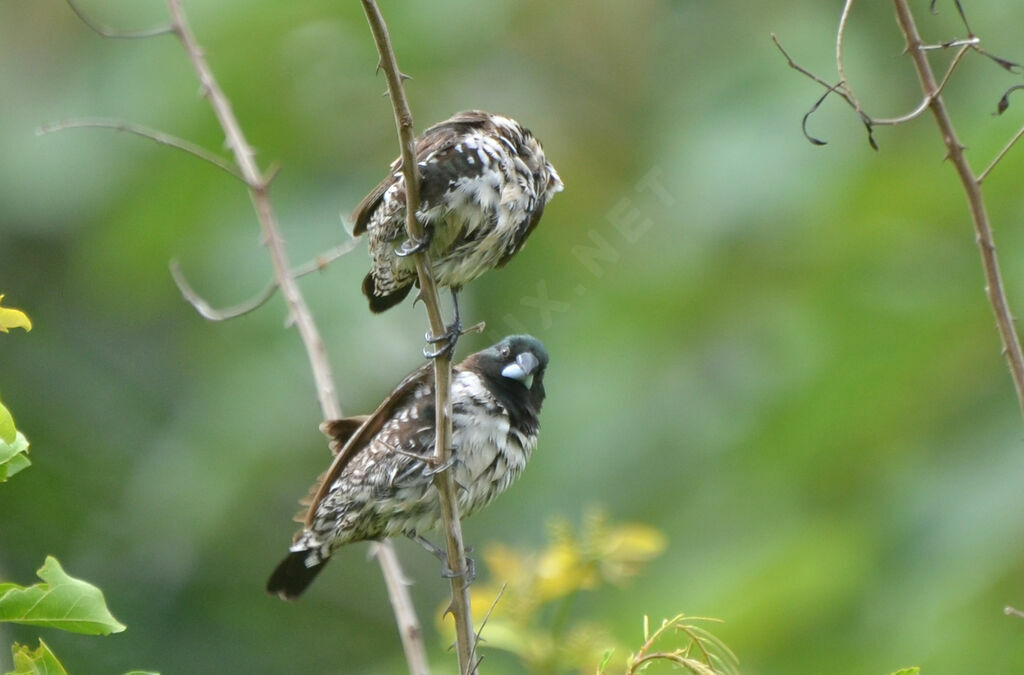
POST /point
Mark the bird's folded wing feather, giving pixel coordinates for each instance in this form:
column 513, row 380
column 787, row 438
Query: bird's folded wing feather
column 357, row 440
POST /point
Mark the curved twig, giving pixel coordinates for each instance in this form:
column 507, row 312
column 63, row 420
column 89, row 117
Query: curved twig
column 444, row 481
column 843, row 90
column 114, row 34
column 840, row 66
column 207, row 311
column 145, row 132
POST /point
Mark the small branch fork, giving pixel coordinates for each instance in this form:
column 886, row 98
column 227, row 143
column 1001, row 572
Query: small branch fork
column 843, row 90
column 258, row 185
column 932, row 89
column 444, row 481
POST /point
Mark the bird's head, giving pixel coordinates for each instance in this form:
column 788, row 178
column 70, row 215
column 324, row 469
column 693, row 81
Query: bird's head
column 515, row 365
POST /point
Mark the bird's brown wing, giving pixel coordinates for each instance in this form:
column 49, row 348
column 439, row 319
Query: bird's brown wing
column 363, row 212
column 339, row 431
column 357, row 441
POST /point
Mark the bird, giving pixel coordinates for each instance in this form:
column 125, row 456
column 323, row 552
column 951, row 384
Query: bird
column 380, row 483
column 484, row 183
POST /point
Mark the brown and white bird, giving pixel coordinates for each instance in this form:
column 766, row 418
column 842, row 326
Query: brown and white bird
column 484, row 182
column 381, row 481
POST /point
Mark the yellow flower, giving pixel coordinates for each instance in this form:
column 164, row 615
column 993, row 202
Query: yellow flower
column 561, row 571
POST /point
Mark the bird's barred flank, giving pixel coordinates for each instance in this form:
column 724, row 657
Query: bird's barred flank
column 380, row 483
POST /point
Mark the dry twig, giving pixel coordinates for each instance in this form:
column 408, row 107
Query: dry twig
column 444, row 481
column 975, row 200
column 208, row 312
column 932, row 89
column 145, row 132
column 108, row 32
column 258, row 185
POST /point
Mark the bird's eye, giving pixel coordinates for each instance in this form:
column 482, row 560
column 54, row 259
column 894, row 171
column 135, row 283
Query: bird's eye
column 506, row 352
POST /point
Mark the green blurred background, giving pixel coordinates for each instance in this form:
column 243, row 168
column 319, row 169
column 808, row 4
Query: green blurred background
column 788, row 365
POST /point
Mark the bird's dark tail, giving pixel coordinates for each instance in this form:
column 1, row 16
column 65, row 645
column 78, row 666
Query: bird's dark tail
column 380, row 303
column 292, row 576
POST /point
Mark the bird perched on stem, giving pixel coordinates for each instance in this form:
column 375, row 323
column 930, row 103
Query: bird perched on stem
column 484, row 182
column 381, row 481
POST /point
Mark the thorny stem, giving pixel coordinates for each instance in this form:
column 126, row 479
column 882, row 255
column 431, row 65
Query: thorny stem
column 444, row 481
column 259, row 193
column 972, row 189
column 299, row 312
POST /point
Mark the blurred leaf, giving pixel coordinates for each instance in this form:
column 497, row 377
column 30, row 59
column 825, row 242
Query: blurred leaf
column 626, row 547
column 60, row 602
column 13, row 318
column 12, row 456
column 913, row 670
column 40, row 661
column 7, row 430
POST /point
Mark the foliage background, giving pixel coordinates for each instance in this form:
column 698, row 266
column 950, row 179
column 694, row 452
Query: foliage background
column 792, row 373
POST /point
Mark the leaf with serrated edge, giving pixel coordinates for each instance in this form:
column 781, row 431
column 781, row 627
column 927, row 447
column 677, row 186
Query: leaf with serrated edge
column 60, row 602
column 40, row 661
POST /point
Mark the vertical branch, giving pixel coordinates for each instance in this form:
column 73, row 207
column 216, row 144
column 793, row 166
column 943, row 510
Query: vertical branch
column 259, row 188
column 298, row 310
column 972, row 189
column 444, row 481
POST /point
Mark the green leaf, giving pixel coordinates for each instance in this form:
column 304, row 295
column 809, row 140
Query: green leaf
column 913, row 670
column 60, row 602
column 12, row 456
column 142, row 672
column 7, row 430
column 38, row 662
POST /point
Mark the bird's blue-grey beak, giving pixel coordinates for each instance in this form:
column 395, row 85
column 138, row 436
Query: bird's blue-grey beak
column 522, row 369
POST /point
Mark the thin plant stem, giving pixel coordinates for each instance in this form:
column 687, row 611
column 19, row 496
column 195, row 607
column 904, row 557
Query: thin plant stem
column 444, row 481
column 975, row 200
column 299, row 313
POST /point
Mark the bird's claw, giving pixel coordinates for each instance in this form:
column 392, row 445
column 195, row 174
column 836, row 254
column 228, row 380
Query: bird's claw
column 469, row 574
column 447, row 341
column 448, row 463
column 412, row 246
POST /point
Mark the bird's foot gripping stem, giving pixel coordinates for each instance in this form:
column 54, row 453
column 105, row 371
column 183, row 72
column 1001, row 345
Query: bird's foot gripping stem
column 412, row 246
